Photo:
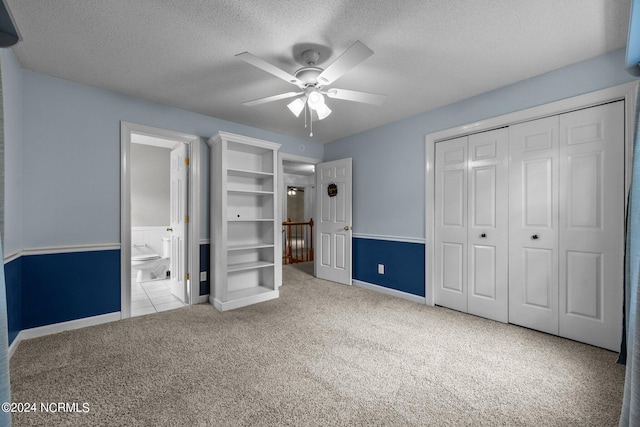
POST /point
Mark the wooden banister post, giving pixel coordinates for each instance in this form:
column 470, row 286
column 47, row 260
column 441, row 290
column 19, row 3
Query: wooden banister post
column 311, row 247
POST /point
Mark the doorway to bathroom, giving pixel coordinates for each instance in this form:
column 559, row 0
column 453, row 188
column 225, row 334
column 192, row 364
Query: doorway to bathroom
column 159, row 182
column 159, row 217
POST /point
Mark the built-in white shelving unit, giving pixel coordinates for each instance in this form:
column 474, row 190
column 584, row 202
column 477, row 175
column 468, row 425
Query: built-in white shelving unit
column 246, row 261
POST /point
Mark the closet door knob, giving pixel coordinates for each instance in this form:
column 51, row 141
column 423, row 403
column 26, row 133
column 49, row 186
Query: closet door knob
column 170, row 229
column 534, row 237
column 483, row 235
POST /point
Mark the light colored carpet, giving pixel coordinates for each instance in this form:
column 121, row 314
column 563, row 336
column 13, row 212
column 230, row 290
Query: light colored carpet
column 322, row 354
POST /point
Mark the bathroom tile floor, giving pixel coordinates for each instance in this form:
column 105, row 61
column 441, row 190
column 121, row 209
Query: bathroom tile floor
column 152, row 297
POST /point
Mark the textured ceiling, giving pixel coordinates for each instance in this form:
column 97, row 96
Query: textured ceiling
column 427, row 53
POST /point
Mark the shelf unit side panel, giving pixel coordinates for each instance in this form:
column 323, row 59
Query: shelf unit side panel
column 277, row 227
column 218, row 227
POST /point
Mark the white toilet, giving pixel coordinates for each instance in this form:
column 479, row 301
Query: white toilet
column 148, row 264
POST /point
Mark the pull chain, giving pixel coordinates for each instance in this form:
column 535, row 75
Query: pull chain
column 310, row 119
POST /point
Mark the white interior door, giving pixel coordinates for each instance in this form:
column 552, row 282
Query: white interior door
column 592, row 224
column 488, row 225
column 333, row 227
column 450, row 264
column 533, row 224
column 179, row 219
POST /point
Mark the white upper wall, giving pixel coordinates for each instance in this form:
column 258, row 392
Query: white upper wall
column 12, row 102
column 71, row 157
column 389, row 161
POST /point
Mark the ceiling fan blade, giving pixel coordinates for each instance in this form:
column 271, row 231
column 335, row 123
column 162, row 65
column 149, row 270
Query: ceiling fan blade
column 269, row 68
column 271, row 98
column 351, row 57
column 356, row 96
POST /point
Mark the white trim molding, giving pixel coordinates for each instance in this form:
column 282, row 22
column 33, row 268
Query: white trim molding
column 389, row 291
column 626, row 92
column 65, row 249
column 50, row 250
column 388, row 238
column 12, row 256
column 194, row 142
column 40, row 331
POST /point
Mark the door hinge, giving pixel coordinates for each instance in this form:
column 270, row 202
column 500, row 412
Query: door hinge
column 186, row 161
column 186, row 276
column 186, row 218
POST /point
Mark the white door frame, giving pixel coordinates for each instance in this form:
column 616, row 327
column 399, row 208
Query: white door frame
column 626, row 92
column 281, row 199
column 193, row 268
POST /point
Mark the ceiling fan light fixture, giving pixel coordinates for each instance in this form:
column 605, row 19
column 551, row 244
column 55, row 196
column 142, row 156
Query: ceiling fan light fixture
column 316, row 100
column 297, row 105
column 323, row 111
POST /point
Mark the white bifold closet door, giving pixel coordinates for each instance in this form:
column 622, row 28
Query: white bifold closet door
column 533, row 219
column 471, row 242
column 566, row 220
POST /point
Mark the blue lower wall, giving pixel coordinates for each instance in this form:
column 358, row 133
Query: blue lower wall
column 61, row 287
column 47, row 289
column 13, row 282
column 53, row 288
column 204, row 266
column 403, row 263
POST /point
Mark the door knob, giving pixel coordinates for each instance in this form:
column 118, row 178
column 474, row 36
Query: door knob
column 347, row 227
column 534, row 237
column 483, row 235
column 170, row 229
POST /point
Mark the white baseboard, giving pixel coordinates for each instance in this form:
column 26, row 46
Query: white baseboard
column 14, row 345
column 202, row 299
column 244, row 301
column 388, row 291
column 40, row 331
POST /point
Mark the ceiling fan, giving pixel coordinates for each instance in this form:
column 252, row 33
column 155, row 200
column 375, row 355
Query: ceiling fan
column 312, row 80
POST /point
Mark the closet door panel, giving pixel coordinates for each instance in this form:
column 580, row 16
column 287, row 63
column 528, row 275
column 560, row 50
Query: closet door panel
column 592, row 224
column 451, row 224
column 533, row 224
column 487, row 235
column 537, row 282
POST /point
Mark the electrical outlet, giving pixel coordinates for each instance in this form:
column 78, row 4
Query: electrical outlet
column 203, row 276
column 380, row 268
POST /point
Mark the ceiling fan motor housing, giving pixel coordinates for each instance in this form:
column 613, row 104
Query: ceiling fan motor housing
column 309, row 75
column 310, row 57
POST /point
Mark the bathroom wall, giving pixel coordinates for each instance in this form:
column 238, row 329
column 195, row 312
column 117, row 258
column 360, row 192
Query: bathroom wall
column 151, row 236
column 150, row 186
